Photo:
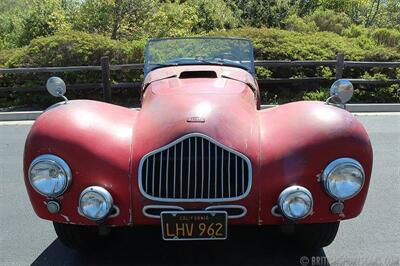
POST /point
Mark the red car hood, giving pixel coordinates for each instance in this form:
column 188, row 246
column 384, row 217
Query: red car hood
column 221, row 108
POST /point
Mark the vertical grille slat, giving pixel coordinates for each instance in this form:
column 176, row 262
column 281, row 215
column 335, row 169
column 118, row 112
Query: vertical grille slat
column 153, row 179
column 167, row 175
column 174, row 187
column 189, row 158
column 242, row 176
column 195, row 168
column 202, row 168
column 229, row 174
column 216, row 170
column 209, row 169
column 236, row 177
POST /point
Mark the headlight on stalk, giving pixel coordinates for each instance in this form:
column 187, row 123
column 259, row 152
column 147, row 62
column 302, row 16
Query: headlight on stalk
column 95, row 203
column 49, row 175
column 295, row 202
column 343, row 178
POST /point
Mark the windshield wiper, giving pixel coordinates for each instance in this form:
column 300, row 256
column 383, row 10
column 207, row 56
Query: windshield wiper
column 219, row 63
column 247, row 83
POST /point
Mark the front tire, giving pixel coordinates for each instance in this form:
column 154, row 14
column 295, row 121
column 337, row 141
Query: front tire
column 316, row 235
column 80, row 237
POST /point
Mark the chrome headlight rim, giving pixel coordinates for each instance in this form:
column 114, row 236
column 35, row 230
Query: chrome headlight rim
column 332, row 166
column 108, row 199
column 58, row 161
column 291, row 190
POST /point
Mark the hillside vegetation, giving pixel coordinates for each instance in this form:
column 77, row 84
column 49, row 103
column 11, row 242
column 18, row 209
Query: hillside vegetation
column 70, row 32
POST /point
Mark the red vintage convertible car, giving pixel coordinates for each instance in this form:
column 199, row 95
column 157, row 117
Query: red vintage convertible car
column 200, row 155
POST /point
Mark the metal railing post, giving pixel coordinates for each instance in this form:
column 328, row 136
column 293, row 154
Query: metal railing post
column 339, row 65
column 106, row 81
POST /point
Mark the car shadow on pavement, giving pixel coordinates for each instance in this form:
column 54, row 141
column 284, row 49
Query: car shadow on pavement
column 144, row 247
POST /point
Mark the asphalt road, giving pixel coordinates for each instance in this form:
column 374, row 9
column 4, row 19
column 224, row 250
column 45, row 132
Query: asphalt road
column 371, row 239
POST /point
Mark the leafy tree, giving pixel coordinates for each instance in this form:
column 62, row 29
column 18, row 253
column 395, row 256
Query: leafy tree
column 172, row 19
column 295, row 23
column 214, row 15
column 329, row 20
column 94, row 16
column 42, row 19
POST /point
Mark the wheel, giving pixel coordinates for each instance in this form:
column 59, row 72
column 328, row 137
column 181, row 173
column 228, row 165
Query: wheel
column 80, row 237
column 316, row 235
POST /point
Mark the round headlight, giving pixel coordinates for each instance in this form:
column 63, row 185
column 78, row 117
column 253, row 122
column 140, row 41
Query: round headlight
column 295, row 202
column 95, row 203
column 49, row 175
column 343, row 178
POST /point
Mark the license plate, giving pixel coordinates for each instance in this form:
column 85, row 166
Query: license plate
column 194, row 225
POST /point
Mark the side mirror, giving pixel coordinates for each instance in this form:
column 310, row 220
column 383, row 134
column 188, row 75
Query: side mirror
column 341, row 91
column 56, row 87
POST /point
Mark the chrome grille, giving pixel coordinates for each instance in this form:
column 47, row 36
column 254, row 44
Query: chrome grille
column 195, row 168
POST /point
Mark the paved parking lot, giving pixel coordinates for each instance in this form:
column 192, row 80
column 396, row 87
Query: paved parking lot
column 371, row 239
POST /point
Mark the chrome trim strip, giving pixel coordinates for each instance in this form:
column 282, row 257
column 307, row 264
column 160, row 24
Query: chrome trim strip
column 217, row 144
column 166, row 207
column 225, row 207
column 147, row 175
column 274, row 211
column 243, row 176
column 209, row 208
column 117, row 212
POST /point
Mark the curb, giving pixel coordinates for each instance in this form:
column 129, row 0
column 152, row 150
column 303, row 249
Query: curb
column 354, row 108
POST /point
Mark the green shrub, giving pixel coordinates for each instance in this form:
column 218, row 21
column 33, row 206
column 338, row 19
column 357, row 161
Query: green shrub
column 77, row 48
column 295, row 23
column 329, row 20
column 387, row 37
column 318, row 95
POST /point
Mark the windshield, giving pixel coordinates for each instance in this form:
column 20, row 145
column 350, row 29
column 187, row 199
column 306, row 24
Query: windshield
column 234, row 52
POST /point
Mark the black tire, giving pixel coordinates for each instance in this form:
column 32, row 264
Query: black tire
column 80, row 237
column 316, row 235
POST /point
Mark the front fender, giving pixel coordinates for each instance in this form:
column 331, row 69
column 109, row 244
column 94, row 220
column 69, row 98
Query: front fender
column 297, row 141
column 95, row 139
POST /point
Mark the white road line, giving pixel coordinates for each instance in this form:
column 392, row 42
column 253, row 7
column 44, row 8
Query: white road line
column 16, row 123
column 373, row 113
column 30, row 122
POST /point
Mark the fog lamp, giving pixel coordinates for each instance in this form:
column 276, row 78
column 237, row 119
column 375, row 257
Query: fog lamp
column 95, row 203
column 295, row 202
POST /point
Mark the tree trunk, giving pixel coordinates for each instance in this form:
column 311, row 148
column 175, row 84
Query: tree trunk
column 117, row 18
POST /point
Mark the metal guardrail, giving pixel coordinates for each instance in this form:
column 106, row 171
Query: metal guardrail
column 339, row 64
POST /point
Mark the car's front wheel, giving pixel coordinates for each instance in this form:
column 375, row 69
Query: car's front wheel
column 79, row 237
column 316, row 235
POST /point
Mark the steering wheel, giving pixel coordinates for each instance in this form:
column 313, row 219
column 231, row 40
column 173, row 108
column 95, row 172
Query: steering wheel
column 224, row 55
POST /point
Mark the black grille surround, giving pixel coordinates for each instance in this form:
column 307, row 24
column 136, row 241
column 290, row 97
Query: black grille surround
column 195, row 168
